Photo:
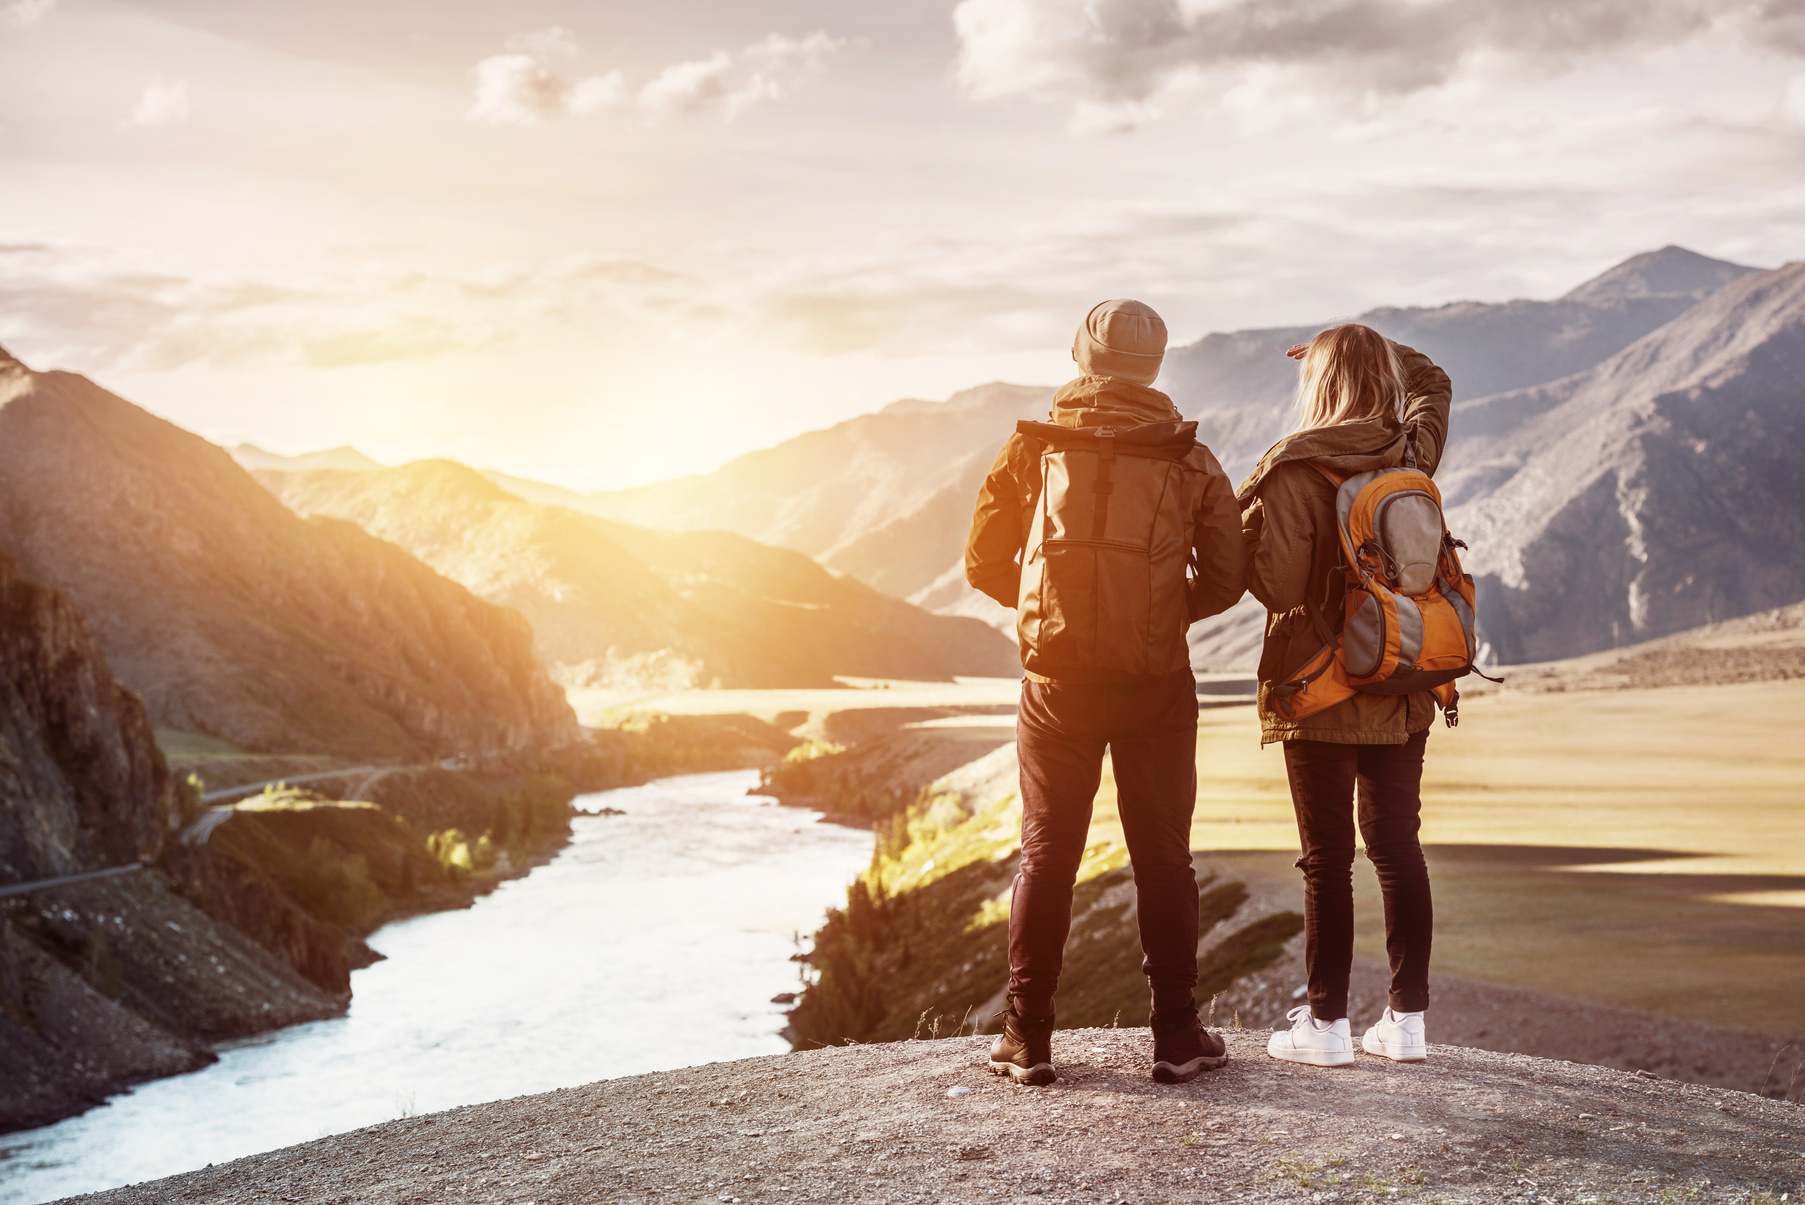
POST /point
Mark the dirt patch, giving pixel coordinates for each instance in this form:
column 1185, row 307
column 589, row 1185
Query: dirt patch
column 921, row 1121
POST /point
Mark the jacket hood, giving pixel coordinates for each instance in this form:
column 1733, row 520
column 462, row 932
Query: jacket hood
column 1110, row 402
column 1347, row 448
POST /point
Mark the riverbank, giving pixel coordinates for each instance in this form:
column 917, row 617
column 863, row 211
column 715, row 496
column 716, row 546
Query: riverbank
column 255, row 918
column 925, row 1121
column 562, row 977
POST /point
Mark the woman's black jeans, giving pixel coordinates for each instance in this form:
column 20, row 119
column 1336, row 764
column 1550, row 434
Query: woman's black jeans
column 1388, row 779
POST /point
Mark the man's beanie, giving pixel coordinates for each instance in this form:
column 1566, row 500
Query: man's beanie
column 1123, row 339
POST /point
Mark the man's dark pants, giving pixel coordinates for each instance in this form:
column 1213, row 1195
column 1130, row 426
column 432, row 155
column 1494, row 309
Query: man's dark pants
column 1150, row 730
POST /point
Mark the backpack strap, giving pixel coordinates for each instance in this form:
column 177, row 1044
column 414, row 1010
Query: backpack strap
column 1104, row 485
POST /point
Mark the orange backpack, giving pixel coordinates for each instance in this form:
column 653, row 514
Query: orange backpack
column 1408, row 619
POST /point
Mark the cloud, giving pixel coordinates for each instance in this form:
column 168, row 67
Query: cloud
column 162, row 104
column 23, row 13
column 525, row 87
column 517, row 89
column 726, row 84
column 1792, row 101
column 1116, row 58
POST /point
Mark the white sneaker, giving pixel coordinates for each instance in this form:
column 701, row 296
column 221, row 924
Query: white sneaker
column 1310, row 1041
column 1399, row 1037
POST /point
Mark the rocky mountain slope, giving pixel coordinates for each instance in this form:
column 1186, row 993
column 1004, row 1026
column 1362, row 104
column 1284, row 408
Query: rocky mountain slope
column 617, row 605
column 887, row 497
column 107, row 981
column 924, row 1120
column 1660, row 490
column 232, row 616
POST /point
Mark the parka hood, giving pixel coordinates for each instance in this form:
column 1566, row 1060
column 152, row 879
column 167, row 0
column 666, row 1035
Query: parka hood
column 1347, row 448
column 1110, row 402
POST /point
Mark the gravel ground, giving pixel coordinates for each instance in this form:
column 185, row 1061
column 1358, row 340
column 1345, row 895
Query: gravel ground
column 925, row 1121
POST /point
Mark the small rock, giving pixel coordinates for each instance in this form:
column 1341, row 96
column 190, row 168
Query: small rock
column 958, row 1090
column 1587, row 1117
column 1397, row 1137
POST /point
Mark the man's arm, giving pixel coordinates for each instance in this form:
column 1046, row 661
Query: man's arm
column 1428, row 395
column 1217, row 541
column 994, row 548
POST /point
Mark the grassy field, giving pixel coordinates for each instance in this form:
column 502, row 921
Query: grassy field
column 1642, row 847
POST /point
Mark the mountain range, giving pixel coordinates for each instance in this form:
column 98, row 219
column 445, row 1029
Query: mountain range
column 616, row 605
column 887, row 497
column 229, row 615
column 1658, row 491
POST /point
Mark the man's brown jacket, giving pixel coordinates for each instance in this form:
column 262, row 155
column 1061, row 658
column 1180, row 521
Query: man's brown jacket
column 1005, row 511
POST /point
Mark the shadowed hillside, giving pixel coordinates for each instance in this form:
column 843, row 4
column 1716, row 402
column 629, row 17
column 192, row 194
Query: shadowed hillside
column 616, row 605
column 231, row 616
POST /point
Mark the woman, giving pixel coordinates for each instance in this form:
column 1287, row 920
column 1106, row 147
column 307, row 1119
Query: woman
column 1361, row 399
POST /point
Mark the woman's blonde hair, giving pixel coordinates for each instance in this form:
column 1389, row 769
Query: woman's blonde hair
column 1350, row 372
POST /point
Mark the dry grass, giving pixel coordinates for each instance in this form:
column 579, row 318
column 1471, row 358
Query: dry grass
column 1523, row 804
column 1711, row 770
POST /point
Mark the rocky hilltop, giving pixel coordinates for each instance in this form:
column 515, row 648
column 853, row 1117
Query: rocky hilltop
column 612, row 604
column 230, row 615
column 924, row 1120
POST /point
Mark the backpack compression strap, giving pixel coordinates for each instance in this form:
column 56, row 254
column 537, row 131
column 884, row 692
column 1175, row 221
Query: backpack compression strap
column 1103, row 486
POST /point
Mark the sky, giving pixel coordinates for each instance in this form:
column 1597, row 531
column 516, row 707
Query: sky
column 604, row 244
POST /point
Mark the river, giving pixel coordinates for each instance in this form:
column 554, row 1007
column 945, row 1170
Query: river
column 655, row 939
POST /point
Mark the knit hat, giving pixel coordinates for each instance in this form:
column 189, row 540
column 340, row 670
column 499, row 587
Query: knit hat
column 1123, row 339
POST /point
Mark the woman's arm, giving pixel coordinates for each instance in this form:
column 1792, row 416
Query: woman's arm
column 1428, row 396
column 1278, row 530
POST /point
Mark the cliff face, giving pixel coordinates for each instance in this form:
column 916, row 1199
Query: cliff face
column 102, row 982
column 613, row 604
column 82, row 785
column 231, row 616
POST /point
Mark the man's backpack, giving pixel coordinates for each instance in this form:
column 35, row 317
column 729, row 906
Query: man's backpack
column 1407, row 623
column 1104, row 590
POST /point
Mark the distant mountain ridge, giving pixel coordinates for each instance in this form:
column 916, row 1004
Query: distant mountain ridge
column 343, row 457
column 231, row 616
column 887, row 497
column 613, row 605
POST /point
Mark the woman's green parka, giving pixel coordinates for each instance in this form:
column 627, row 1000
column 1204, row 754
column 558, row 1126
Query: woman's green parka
column 1293, row 551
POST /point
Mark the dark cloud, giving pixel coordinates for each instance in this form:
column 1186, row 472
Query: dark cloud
column 1123, row 52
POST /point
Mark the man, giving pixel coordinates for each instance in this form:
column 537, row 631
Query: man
column 1086, row 526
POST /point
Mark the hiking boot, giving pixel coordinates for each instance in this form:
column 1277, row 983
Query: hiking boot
column 1398, row 1037
column 1310, row 1041
column 1024, row 1051
column 1183, row 1048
